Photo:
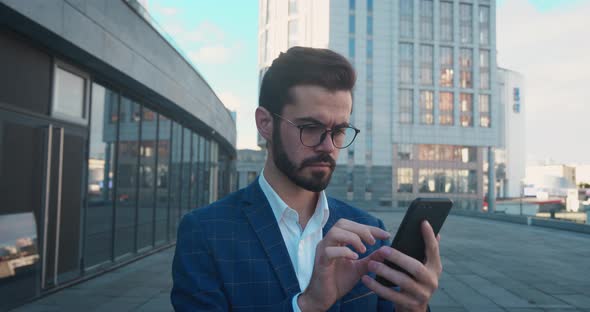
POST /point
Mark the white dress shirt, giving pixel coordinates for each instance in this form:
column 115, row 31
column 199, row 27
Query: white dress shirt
column 301, row 243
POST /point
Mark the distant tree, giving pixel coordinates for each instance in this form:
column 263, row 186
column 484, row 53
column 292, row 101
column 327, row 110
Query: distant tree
column 584, row 185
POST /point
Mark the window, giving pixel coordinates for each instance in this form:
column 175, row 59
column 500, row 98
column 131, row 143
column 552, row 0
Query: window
column 484, row 25
column 426, row 64
column 406, row 63
column 264, row 46
column 426, row 108
column 484, row 111
column 351, row 30
column 446, row 66
column 185, row 183
column 175, row 171
column 405, row 180
column 446, row 21
column 466, row 64
column 69, row 97
column 466, row 22
column 369, row 71
column 162, row 178
column 293, row 33
column 406, row 21
column 484, row 69
column 404, row 151
column 135, row 113
column 426, row 19
column 445, row 181
column 127, row 184
column 147, row 178
column 267, row 11
column 405, row 106
column 445, row 107
column 454, row 153
column 293, row 7
column 466, row 103
column 101, row 162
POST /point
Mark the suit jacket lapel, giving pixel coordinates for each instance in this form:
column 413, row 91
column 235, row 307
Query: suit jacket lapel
column 262, row 220
column 333, row 218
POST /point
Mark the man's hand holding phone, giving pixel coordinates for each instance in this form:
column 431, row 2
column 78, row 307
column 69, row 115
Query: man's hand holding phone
column 337, row 268
column 416, row 290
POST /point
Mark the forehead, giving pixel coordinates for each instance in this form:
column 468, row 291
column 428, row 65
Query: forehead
column 319, row 103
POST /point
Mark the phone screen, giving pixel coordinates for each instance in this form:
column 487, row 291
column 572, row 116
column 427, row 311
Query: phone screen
column 408, row 238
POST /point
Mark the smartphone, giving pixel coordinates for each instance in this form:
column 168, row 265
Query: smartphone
column 408, row 238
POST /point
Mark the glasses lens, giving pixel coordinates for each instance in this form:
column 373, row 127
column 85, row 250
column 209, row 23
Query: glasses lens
column 343, row 137
column 312, row 135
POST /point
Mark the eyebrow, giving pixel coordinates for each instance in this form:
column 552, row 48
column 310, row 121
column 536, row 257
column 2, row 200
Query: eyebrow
column 311, row 120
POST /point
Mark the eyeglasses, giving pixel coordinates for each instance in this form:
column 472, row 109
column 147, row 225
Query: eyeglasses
column 312, row 135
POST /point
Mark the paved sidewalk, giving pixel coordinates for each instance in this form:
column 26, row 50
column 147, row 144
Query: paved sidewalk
column 488, row 266
column 143, row 285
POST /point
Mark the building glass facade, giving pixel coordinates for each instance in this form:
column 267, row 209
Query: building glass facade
column 95, row 173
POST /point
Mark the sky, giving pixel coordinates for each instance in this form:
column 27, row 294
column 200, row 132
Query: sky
column 545, row 40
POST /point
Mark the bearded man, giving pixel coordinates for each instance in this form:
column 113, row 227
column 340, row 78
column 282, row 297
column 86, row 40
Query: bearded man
column 281, row 244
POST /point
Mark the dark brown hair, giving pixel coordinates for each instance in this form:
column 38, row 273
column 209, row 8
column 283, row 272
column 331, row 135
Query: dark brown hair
column 304, row 66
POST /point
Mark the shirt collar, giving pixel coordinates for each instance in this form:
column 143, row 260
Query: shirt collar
column 279, row 207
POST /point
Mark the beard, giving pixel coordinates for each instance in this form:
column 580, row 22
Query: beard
column 317, row 182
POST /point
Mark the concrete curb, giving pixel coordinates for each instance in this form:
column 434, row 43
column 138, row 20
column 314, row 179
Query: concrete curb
column 527, row 220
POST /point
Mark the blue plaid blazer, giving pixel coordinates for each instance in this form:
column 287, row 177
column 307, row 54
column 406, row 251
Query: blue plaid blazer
column 230, row 256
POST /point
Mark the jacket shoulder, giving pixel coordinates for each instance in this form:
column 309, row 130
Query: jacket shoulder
column 224, row 208
column 344, row 210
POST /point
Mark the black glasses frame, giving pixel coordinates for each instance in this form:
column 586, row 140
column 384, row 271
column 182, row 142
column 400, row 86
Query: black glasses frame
column 323, row 136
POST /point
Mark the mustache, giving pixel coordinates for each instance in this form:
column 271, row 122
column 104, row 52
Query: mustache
column 323, row 158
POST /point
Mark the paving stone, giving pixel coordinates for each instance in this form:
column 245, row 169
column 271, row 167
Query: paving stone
column 579, row 301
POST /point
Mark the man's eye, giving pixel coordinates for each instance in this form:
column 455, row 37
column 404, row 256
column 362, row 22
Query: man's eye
column 340, row 130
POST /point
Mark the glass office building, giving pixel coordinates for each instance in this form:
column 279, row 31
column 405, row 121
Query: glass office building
column 426, row 98
column 107, row 137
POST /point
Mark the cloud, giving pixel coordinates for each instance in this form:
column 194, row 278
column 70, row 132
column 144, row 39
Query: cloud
column 550, row 48
column 230, row 100
column 216, row 54
column 205, row 32
column 163, row 10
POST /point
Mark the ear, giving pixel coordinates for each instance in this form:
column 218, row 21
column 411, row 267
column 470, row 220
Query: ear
column 264, row 123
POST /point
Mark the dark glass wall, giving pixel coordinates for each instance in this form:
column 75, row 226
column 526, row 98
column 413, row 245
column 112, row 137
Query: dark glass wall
column 163, row 179
column 101, row 161
column 127, row 176
column 195, row 173
column 147, row 179
column 175, row 174
column 186, row 170
column 25, row 75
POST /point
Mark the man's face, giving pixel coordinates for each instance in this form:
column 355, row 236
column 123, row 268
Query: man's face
column 309, row 167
